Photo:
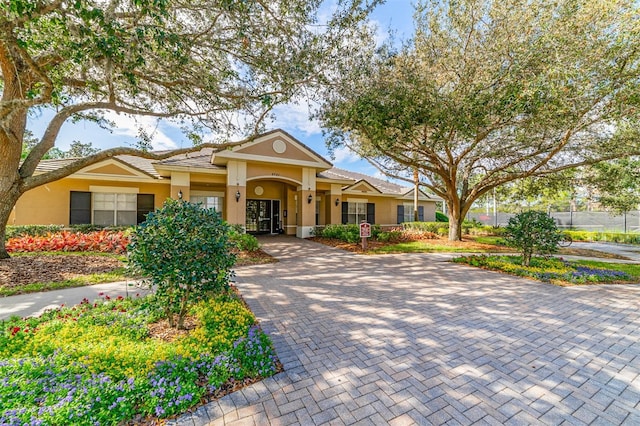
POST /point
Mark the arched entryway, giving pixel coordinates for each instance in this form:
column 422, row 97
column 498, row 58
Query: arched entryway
column 271, row 206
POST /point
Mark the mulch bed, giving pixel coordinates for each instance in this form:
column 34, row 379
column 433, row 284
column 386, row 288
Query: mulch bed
column 21, row 270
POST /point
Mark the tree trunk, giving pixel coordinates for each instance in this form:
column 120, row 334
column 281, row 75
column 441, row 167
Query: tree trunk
column 8, row 199
column 455, row 225
column 5, row 210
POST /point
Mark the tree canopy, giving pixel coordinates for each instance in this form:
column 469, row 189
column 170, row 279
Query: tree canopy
column 489, row 92
column 616, row 184
column 212, row 65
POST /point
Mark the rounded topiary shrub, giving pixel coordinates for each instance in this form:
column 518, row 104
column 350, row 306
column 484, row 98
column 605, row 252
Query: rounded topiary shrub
column 532, row 232
column 186, row 254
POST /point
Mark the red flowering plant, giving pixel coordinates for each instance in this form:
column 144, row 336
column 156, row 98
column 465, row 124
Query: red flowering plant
column 100, row 241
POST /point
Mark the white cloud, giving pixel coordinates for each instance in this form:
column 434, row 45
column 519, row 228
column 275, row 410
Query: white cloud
column 127, row 125
column 345, row 156
column 295, row 116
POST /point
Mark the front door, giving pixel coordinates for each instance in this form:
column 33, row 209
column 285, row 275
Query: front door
column 259, row 217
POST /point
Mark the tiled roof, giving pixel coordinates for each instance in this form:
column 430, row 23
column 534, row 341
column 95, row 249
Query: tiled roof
column 50, row 165
column 200, row 159
column 382, row 185
column 143, row 164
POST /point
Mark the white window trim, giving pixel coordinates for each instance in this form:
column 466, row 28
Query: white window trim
column 207, row 193
column 114, row 189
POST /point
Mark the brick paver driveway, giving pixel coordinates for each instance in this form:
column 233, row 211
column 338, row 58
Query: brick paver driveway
column 409, row 339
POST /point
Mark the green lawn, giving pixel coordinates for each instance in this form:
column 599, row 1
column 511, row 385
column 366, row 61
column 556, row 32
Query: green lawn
column 558, row 271
column 427, row 246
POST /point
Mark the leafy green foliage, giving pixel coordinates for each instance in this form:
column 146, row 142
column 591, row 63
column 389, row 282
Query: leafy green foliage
column 614, row 237
column 186, row 253
column 349, row 233
column 532, row 232
column 441, row 217
column 96, row 363
column 617, row 184
column 244, row 241
column 16, row 231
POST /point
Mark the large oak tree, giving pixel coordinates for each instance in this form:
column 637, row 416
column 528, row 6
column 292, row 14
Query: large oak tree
column 212, row 63
column 489, row 92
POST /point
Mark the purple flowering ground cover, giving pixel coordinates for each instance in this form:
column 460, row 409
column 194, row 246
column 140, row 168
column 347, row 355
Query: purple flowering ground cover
column 97, row 364
column 558, row 270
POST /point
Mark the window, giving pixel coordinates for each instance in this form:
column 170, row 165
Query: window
column 115, row 209
column 356, row 212
column 405, row 213
column 208, row 202
column 108, row 208
column 80, row 208
column 408, row 212
column 146, row 204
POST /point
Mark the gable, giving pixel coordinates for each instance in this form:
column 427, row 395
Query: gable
column 422, row 196
column 274, row 147
column 111, row 169
column 361, row 186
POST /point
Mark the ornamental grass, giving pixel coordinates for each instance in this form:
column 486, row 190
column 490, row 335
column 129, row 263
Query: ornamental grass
column 98, row 363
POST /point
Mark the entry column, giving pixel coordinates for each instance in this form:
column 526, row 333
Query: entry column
column 236, row 195
column 306, row 204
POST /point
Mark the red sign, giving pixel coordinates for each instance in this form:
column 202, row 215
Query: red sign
column 365, row 230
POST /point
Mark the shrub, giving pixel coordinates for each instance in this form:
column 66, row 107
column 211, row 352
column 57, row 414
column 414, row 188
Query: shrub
column 349, row 233
column 427, row 226
column 243, row 241
column 441, row 217
column 17, row 231
column 186, row 253
column 532, row 232
column 102, row 241
column 392, row 236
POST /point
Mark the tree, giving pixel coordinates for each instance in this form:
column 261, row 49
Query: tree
column 556, row 191
column 219, row 66
column 616, row 183
column 78, row 149
column 489, row 92
column 186, row 253
column 532, row 232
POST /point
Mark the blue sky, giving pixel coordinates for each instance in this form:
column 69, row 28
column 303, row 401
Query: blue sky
column 394, row 14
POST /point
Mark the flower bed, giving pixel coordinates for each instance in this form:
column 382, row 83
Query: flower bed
column 100, row 241
column 557, row 270
column 100, row 363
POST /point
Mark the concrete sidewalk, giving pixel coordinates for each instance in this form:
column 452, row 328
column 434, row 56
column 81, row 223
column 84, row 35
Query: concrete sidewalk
column 33, row 304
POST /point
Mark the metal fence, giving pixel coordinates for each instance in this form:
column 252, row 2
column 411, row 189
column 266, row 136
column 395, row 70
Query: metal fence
column 587, row 221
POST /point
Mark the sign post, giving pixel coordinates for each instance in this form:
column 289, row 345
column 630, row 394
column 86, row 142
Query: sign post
column 365, row 232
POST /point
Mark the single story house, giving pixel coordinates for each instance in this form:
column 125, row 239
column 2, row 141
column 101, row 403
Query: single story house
column 269, row 184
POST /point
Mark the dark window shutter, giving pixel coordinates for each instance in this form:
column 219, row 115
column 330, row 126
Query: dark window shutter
column 421, row 213
column 400, row 213
column 146, row 204
column 371, row 213
column 345, row 212
column 80, row 208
